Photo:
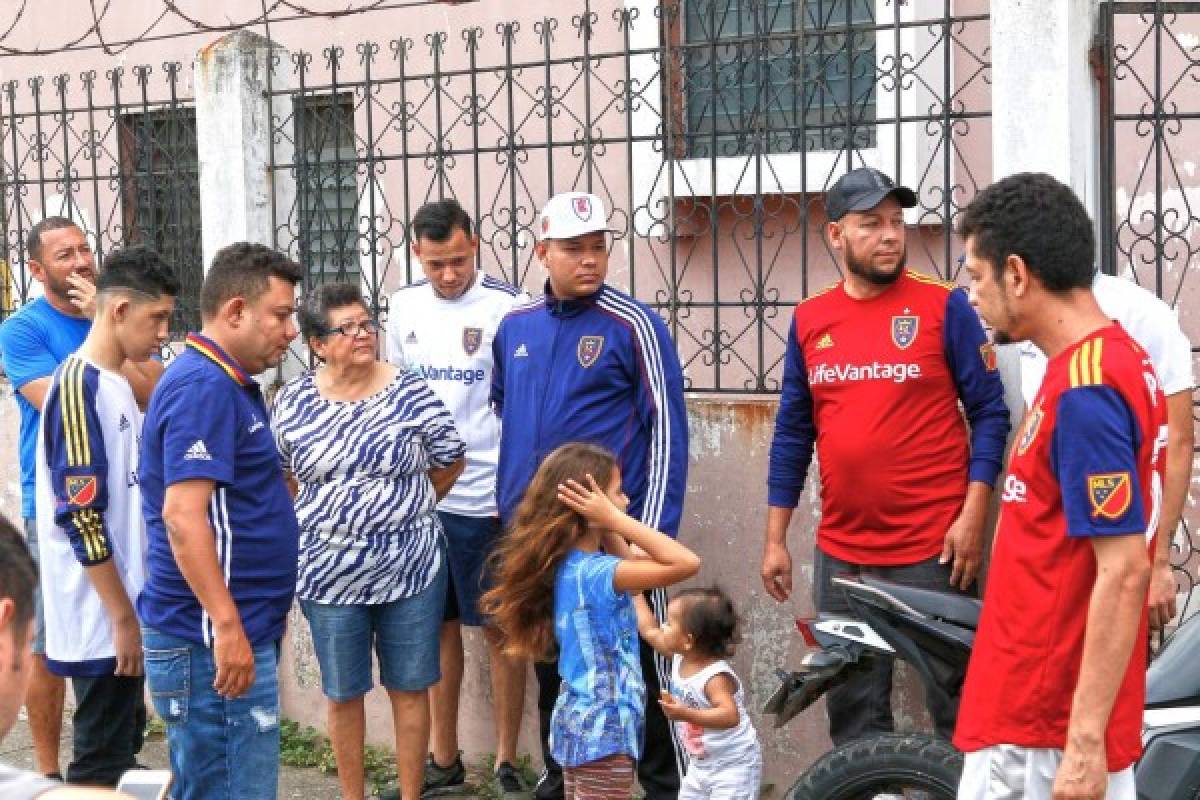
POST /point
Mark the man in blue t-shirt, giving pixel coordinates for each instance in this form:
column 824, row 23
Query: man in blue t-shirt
column 33, row 342
column 221, row 534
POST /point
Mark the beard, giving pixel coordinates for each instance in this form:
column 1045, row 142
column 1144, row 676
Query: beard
column 880, row 276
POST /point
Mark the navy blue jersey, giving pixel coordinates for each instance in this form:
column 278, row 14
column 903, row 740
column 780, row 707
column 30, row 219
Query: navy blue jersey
column 207, row 420
column 600, row 369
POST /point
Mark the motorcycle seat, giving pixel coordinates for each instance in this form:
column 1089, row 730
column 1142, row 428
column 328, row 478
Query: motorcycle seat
column 947, row 606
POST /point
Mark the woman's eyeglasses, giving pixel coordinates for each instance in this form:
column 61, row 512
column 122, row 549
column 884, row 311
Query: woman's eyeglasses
column 352, row 329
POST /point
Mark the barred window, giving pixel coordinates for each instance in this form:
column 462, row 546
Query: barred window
column 327, row 192
column 778, row 76
column 160, row 193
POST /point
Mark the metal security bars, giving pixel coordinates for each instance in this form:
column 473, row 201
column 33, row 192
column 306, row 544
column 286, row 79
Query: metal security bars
column 1148, row 61
column 710, row 128
column 116, row 153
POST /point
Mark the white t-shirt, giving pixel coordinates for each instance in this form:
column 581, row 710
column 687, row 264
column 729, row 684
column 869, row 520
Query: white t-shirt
column 89, row 475
column 1152, row 324
column 449, row 343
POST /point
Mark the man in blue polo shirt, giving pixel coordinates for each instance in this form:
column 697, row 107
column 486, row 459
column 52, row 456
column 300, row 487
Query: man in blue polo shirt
column 222, row 534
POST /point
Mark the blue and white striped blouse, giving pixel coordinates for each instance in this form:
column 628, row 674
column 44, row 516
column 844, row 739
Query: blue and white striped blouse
column 369, row 532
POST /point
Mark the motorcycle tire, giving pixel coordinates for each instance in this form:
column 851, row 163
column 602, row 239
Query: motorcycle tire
column 910, row 765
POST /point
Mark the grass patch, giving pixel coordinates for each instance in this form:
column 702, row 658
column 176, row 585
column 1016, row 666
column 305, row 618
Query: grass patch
column 481, row 775
column 156, row 729
column 308, row 748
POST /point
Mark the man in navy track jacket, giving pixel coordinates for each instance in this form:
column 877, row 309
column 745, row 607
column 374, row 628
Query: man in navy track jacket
column 589, row 363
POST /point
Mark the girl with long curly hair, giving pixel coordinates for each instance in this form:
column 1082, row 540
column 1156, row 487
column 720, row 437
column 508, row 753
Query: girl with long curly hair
column 563, row 576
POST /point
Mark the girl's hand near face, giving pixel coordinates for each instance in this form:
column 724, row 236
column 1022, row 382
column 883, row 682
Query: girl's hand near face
column 591, row 503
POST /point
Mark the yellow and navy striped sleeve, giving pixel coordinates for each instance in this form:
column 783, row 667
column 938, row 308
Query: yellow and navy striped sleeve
column 78, row 468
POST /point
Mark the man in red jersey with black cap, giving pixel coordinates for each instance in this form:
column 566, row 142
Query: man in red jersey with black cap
column 1052, row 705
column 889, row 375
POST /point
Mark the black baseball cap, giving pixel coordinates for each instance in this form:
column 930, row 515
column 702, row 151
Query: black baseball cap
column 861, row 190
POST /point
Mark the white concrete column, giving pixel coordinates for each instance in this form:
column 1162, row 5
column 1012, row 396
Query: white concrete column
column 1044, row 99
column 233, row 139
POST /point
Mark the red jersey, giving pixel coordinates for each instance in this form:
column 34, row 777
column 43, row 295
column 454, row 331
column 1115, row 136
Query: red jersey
column 1087, row 462
column 877, row 385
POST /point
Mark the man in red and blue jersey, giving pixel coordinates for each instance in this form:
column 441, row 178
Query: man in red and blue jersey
column 1052, row 704
column 884, row 372
column 587, row 363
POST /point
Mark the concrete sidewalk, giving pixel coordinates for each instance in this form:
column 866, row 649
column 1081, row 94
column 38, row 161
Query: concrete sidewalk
column 294, row 783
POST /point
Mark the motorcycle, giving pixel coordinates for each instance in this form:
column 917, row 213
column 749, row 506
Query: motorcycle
column 934, row 632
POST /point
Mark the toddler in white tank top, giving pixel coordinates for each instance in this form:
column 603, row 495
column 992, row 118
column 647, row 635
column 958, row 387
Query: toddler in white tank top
column 706, row 702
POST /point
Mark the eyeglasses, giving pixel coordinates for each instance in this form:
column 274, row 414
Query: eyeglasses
column 352, row 329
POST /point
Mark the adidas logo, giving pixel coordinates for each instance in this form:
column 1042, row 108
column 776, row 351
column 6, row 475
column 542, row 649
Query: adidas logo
column 521, row 351
column 412, row 338
column 825, row 342
column 197, row 452
column 124, row 425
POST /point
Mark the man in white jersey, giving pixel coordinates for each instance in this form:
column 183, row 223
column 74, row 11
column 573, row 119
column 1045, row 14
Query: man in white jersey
column 91, row 534
column 442, row 328
column 1153, row 324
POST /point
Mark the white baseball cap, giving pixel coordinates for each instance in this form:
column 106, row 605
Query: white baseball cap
column 570, row 214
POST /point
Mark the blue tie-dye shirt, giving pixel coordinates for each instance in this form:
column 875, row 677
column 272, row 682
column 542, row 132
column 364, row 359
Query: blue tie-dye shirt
column 601, row 704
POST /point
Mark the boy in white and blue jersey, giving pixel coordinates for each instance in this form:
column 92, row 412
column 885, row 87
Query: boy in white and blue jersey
column 442, row 329
column 91, row 535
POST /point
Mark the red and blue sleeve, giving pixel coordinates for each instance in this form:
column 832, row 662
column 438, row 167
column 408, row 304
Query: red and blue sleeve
column 1094, row 457
column 972, row 363
column 795, row 431
column 78, row 465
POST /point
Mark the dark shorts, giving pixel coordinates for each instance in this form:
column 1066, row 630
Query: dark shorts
column 469, row 542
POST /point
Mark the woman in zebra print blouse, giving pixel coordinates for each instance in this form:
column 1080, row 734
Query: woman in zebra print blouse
column 371, row 450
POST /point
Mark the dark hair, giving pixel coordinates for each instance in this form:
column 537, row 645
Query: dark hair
column 436, row 221
column 313, row 314
column 242, row 270
column 709, row 618
column 33, row 239
column 18, row 576
column 138, row 268
column 1034, row 216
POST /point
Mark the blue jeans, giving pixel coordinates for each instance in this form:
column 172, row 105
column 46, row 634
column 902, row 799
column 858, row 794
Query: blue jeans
column 221, row 749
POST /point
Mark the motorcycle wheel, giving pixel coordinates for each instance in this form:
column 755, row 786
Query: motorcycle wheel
column 907, row 766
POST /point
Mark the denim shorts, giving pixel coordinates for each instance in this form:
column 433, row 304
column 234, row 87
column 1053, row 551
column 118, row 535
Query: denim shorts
column 220, row 748
column 39, row 613
column 404, row 634
column 469, row 542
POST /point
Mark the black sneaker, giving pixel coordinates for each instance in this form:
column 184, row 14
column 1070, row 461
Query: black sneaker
column 443, row 780
column 510, row 785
